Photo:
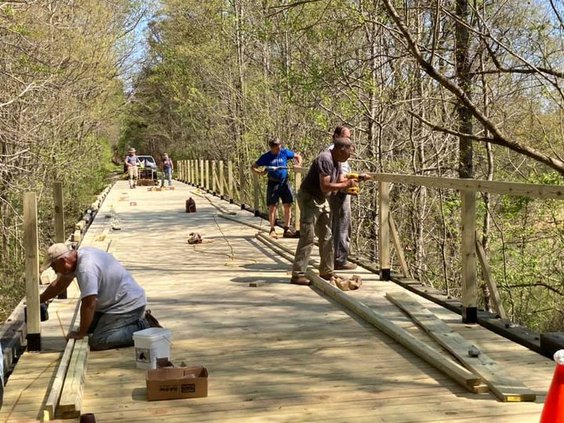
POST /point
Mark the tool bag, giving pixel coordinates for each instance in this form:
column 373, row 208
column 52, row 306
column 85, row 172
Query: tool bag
column 190, row 206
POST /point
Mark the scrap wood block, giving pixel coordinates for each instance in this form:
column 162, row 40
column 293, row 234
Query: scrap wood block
column 502, row 385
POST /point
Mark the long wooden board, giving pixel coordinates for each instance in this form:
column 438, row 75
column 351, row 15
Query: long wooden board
column 465, row 378
column 71, row 395
column 504, row 387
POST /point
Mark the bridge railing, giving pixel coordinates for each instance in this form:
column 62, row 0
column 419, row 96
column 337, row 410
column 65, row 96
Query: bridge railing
column 247, row 191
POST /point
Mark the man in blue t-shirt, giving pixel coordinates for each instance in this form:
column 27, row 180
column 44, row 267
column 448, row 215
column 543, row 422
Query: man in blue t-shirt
column 275, row 164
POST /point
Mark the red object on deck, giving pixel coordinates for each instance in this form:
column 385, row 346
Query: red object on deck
column 553, row 410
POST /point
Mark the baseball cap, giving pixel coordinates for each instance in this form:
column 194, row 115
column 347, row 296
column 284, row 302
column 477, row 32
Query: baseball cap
column 55, row 252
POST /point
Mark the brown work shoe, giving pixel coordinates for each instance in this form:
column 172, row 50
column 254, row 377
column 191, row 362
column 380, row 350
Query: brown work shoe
column 290, row 233
column 153, row 322
column 345, row 266
column 299, row 280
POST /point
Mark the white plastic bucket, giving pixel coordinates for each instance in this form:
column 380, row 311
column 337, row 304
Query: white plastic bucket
column 150, row 344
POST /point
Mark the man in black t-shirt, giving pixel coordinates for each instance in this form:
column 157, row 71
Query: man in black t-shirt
column 324, row 177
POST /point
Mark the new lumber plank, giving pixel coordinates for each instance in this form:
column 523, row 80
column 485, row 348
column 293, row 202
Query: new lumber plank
column 71, row 395
column 504, row 387
column 55, row 393
column 463, row 377
column 57, row 386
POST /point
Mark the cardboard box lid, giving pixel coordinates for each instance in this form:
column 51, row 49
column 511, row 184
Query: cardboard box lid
column 168, row 373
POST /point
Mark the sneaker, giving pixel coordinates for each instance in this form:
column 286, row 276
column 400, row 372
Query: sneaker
column 345, row 266
column 153, row 322
column 300, row 280
column 290, row 233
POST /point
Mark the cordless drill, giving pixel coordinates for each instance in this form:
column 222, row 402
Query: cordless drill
column 358, row 177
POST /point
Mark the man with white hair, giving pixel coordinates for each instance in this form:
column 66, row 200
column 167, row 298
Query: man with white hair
column 112, row 302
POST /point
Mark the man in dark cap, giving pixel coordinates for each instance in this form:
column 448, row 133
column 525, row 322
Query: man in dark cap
column 275, row 164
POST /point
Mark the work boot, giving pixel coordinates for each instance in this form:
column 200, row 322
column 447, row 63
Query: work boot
column 345, row 266
column 328, row 276
column 299, row 280
column 290, row 233
column 153, row 322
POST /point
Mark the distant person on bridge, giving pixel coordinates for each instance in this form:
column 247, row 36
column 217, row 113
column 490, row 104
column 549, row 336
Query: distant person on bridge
column 112, row 303
column 275, row 164
column 340, row 205
column 323, row 178
column 167, row 167
column 132, row 163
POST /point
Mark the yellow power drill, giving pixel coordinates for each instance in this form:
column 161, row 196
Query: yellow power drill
column 355, row 189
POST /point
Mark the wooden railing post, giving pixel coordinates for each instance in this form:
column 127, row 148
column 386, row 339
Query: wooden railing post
column 243, row 184
column 191, row 174
column 221, row 179
column 202, row 173
column 31, row 245
column 297, row 211
column 207, row 181
column 384, row 230
column 59, row 214
column 190, row 167
column 256, row 194
column 468, row 257
column 230, row 180
column 214, row 176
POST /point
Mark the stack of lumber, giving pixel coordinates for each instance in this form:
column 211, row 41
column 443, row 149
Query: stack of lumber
column 65, row 396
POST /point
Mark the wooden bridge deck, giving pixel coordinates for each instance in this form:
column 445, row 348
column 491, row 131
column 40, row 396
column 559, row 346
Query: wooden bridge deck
column 276, row 352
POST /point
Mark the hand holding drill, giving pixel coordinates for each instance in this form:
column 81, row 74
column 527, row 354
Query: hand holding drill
column 357, row 177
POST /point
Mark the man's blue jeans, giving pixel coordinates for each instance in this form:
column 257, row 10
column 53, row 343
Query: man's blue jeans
column 167, row 174
column 109, row 331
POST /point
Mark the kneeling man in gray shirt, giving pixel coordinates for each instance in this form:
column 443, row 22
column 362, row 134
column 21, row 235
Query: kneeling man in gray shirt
column 112, row 303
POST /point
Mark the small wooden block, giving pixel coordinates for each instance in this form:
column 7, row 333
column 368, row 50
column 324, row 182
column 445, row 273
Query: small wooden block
column 256, row 284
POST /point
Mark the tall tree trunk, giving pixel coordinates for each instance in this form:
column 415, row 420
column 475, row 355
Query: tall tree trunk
column 240, row 94
column 462, row 53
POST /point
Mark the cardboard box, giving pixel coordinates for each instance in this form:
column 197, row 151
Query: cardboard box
column 177, row 382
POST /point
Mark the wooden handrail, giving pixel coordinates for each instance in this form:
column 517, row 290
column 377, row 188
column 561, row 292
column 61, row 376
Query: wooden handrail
column 479, row 185
column 386, row 234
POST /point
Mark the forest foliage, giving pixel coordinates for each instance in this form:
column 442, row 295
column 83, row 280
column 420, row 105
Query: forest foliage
column 61, row 98
column 450, row 88
column 430, row 87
